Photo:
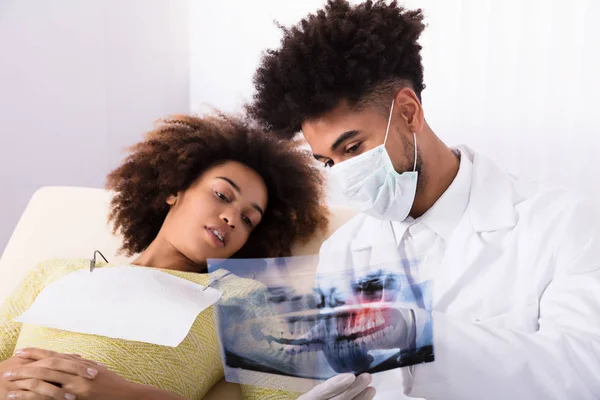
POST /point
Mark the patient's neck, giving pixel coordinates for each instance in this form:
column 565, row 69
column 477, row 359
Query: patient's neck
column 162, row 254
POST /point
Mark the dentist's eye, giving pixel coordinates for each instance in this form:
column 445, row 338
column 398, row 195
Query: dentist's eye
column 353, row 149
column 328, row 164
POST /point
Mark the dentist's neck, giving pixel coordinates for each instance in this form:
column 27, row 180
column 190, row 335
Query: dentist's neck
column 440, row 167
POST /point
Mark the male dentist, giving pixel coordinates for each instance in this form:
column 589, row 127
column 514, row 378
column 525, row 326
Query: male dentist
column 515, row 265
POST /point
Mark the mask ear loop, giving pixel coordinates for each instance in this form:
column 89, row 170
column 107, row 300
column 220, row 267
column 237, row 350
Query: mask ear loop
column 387, row 130
column 415, row 141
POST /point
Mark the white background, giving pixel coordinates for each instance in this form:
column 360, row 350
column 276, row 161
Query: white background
column 515, row 79
column 79, row 81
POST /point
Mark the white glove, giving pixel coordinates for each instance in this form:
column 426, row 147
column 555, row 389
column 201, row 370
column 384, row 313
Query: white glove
column 342, row 387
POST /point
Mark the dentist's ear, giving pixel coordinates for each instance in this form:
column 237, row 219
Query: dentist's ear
column 409, row 108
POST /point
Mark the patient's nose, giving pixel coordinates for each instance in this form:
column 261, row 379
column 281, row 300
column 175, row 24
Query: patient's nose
column 229, row 222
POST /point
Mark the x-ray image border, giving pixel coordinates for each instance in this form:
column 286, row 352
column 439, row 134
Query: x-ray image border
column 283, row 325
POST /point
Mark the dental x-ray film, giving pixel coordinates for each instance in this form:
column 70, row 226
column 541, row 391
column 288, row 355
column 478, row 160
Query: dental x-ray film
column 283, row 325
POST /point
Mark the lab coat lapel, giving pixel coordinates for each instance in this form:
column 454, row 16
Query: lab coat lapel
column 374, row 244
column 385, row 248
column 491, row 209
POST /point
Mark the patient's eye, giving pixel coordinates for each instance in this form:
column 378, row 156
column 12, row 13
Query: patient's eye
column 247, row 221
column 221, row 196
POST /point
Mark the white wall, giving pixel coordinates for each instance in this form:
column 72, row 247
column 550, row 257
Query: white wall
column 519, row 80
column 80, row 81
column 516, row 79
column 226, row 41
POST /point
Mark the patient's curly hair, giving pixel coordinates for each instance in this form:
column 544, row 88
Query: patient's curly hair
column 359, row 53
column 182, row 147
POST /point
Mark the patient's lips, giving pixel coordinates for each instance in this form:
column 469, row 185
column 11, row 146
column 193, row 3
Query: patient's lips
column 217, row 236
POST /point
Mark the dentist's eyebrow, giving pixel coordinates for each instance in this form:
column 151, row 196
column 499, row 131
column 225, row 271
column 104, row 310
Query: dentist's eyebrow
column 339, row 141
column 342, row 138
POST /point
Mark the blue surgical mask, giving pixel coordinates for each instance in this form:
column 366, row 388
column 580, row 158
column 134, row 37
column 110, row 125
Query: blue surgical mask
column 371, row 184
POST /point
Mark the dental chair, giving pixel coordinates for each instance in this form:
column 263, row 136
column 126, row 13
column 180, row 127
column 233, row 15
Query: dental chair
column 71, row 222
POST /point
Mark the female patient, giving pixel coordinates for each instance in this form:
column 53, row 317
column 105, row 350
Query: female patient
column 195, row 188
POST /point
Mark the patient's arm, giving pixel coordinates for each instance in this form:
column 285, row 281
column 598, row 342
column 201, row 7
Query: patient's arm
column 25, row 294
column 71, row 374
column 145, row 392
column 256, row 393
column 20, row 300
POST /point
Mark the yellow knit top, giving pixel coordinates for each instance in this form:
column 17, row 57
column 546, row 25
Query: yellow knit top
column 190, row 369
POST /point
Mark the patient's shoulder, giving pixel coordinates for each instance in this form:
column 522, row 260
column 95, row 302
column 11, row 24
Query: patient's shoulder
column 43, row 274
column 47, row 271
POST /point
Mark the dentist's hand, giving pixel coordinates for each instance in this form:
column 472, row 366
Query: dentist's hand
column 342, row 387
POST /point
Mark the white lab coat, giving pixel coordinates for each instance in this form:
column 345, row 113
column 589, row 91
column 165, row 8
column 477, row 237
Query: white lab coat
column 516, row 299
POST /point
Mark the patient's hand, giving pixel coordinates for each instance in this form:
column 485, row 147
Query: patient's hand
column 6, row 386
column 10, row 389
column 73, row 377
column 26, row 374
column 12, row 362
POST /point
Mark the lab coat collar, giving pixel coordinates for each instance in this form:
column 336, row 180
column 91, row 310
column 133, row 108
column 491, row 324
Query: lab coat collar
column 492, row 201
column 490, row 207
column 371, row 231
column 445, row 214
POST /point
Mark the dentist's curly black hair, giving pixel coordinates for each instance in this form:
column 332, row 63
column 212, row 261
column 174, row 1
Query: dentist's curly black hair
column 359, row 53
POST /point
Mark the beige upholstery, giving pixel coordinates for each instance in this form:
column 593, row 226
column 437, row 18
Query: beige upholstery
column 69, row 222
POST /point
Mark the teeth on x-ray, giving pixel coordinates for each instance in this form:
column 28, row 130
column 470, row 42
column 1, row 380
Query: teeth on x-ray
column 314, row 326
column 323, row 327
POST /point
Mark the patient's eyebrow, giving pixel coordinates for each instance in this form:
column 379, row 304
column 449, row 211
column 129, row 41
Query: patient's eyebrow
column 232, row 183
column 260, row 210
column 237, row 189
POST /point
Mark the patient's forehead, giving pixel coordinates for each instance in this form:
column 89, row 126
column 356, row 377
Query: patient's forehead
column 250, row 184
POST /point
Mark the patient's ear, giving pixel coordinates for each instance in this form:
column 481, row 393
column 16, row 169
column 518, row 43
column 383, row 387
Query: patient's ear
column 171, row 200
